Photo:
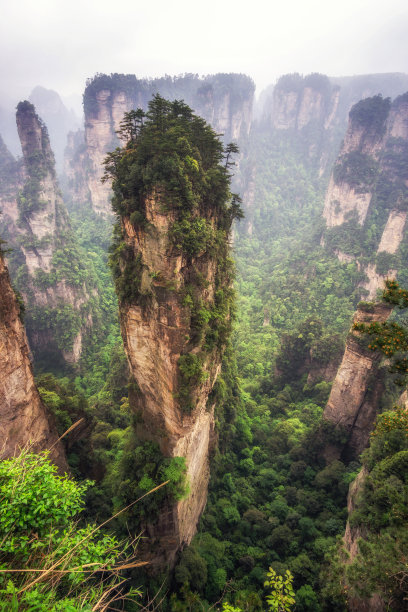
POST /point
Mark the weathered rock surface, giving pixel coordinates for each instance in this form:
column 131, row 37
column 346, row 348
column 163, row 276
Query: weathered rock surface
column 23, row 417
column 341, row 200
column 225, row 101
column 58, row 119
column 75, row 183
column 369, row 185
column 354, row 399
column 351, row 537
column 156, row 333
column 393, row 232
column 315, row 108
column 35, row 223
column 296, row 102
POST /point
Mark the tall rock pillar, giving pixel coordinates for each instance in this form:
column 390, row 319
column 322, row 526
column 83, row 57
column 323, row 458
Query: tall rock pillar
column 23, row 417
column 173, row 277
column 354, row 399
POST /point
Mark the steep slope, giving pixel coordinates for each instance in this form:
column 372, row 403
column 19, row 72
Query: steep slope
column 314, row 109
column 44, row 261
column 58, row 119
column 23, row 417
column 224, row 100
column 366, row 202
column 375, row 540
column 354, row 399
column 173, row 278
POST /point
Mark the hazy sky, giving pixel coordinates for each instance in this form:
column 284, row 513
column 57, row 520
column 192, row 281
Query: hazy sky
column 60, row 43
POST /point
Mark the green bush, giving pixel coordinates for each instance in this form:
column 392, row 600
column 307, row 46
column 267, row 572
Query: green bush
column 73, row 566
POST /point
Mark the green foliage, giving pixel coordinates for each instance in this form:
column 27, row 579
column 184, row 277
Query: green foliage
column 63, row 399
column 126, row 269
column 64, row 322
column 371, row 114
column 172, row 149
column 389, row 337
column 71, row 565
column 194, row 237
column 357, row 169
column 132, row 468
column 381, row 517
column 34, row 500
column 282, row 595
column 226, row 607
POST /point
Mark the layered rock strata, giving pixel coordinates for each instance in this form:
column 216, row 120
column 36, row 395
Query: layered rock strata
column 313, row 110
column 366, row 201
column 24, row 421
column 44, row 261
column 356, row 392
column 156, row 335
column 173, row 276
column 224, row 100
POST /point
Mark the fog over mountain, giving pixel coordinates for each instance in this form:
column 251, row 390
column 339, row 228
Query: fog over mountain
column 203, row 235
column 60, row 44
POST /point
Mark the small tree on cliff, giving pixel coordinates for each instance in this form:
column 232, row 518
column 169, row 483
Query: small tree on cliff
column 176, row 158
column 389, row 337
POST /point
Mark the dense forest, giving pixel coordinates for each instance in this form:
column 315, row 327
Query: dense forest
column 264, row 315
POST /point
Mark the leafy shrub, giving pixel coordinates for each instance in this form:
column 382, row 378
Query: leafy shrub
column 73, row 567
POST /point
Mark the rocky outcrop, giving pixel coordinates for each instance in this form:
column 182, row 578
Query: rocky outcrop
column 354, row 399
column 368, row 190
column 224, row 100
column 156, row 334
column 76, row 168
column 297, row 102
column 173, row 278
column 23, row 418
column 393, row 232
column 351, row 537
column 313, row 110
column 45, row 262
column 58, row 119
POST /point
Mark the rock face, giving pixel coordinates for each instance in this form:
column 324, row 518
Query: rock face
column 366, row 202
column 354, row 399
column 224, row 100
column 57, row 117
column 173, row 278
column 314, row 109
column 23, row 417
column 156, row 335
column 297, row 102
column 351, row 537
column 44, row 262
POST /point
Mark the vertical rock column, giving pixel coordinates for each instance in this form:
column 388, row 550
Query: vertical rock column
column 173, row 277
column 368, row 190
column 45, row 262
column 23, row 417
column 354, row 399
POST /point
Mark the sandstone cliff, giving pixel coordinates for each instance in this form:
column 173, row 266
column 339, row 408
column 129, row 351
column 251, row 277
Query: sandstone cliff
column 354, row 399
column 314, row 109
column 156, row 335
column 224, row 100
column 44, row 261
column 23, row 417
column 366, row 202
column 296, row 102
column 351, row 537
column 58, row 119
column 173, row 277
